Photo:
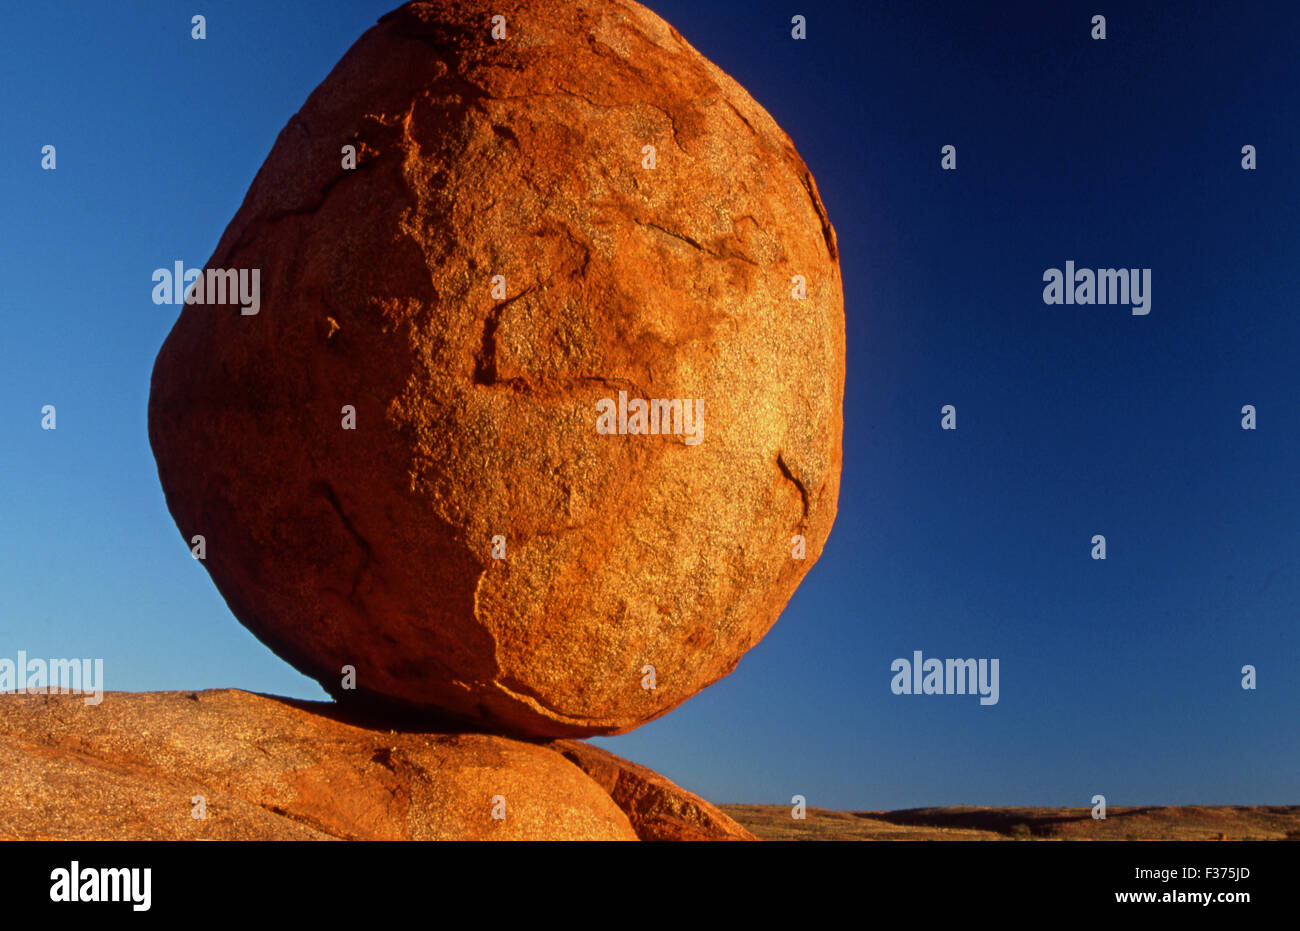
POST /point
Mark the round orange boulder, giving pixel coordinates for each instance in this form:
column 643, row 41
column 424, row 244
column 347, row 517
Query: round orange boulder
column 537, row 423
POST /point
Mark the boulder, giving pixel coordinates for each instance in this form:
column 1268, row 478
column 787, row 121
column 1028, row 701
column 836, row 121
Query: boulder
column 141, row 766
column 422, row 458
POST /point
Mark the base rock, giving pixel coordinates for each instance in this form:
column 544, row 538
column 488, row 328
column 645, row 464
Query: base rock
column 270, row 768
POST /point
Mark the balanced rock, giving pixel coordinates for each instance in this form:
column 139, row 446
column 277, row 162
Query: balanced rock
column 537, row 424
column 233, row 765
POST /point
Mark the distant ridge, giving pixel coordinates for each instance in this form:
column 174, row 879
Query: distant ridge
column 1165, row 822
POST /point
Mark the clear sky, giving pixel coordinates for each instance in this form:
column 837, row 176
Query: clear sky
column 1120, row 677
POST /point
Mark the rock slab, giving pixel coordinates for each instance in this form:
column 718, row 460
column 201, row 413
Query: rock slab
column 658, row 809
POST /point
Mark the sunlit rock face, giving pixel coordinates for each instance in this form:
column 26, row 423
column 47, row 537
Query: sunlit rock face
column 537, row 426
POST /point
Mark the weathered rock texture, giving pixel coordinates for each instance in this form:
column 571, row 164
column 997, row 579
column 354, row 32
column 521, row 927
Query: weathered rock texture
column 476, row 417
column 658, row 809
column 274, row 769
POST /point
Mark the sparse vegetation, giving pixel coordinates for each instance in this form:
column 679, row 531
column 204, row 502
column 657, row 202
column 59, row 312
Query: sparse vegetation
column 969, row 822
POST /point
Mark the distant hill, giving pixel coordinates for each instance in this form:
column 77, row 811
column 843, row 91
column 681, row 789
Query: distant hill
column 1166, row 822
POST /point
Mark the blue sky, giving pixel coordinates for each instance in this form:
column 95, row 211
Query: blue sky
column 1119, row 677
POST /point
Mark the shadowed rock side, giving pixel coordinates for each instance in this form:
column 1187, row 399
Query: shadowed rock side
column 273, row 769
column 476, row 414
column 658, row 809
